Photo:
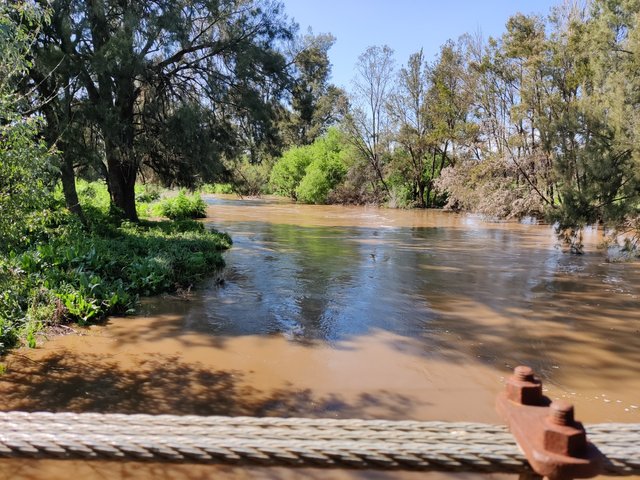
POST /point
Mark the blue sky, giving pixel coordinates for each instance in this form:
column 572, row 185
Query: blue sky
column 404, row 25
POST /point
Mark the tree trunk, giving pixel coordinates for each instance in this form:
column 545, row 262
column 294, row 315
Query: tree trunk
column 53, row 133
column 378, row 170
column 122, row 181
column 430, row 183
column 428, row 194
column 68, row 178
column 421, row 188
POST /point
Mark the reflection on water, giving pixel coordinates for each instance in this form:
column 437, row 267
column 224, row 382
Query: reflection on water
column 500, row 293
column 359, row 312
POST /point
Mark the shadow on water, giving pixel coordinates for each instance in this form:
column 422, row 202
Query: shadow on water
column 348, row 309
column 163, row 384
column 499, row 296
column 359, row 315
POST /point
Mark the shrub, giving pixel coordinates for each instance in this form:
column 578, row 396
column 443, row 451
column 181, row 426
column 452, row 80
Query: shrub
column 147, row 193
column 217, row 188
column 310, row 173
column 321, row 177
column 94, row 194
column 289, row 171
column 182, row 207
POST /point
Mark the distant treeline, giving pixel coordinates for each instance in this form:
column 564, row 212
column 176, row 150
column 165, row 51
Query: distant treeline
column 543, row 121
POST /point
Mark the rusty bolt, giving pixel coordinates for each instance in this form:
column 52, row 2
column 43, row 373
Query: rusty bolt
column 523, row 373
column 523, row 387
column 561, row 413
column 562, row 434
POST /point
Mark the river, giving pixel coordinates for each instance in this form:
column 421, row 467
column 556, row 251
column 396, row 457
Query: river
column 331, row 311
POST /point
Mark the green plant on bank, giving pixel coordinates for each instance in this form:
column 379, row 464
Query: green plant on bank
column 81, row 273
column 289, row 170
column 147, row 193
column 321, row 176
column 182, row 207
column 217, row 188
column 310, row 173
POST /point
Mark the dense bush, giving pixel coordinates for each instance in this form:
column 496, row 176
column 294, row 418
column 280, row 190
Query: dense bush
column 182, row 207
column 321, row 176
column 289, row 170
column 311, row 172
column 252, row 178
column 147, row 193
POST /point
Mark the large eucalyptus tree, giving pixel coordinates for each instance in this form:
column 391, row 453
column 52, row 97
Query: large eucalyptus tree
column 173, row 85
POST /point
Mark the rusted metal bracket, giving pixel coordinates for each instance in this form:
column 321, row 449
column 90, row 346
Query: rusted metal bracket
column 554, row 443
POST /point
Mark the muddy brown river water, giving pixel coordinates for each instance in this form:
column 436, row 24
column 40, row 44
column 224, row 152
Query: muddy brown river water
column 350, row 312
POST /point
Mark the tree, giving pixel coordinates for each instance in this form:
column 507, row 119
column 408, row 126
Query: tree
column 24, row 171
column 367, row 122
column 600, row 181
column 450, row 98
column 408, row 110
column 140, row 64
column 315, row 103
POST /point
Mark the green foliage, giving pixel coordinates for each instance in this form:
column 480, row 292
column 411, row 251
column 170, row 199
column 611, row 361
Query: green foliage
column 289, row 170
column 321, row 176
column 182, row 207
column 217, row 188
column 401, row 195
column 25, row 176
column 84, row 272
column 598, row 179
column 147, row 193
column 94, row 194
column 310, row 173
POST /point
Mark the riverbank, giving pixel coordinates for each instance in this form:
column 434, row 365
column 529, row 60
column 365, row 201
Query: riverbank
column 67, row 271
